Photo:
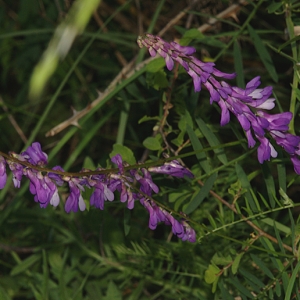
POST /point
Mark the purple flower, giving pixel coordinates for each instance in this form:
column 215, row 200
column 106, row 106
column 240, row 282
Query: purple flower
column 189, row 234
column 101, row 193
column 265, row 150
column 173, row 168
column 34, row 155
column 17, row 170
column 56, row 177
column 75, row 200
column 147, row 185
column 117, row 159
column 43, row 188
column 158, row 214
column 3, row 175
column 296, row 162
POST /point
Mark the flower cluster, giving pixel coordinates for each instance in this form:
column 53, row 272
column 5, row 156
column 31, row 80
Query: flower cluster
column 44, row 182
column 247, row 104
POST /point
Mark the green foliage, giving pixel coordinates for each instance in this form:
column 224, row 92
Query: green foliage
column 246, row 215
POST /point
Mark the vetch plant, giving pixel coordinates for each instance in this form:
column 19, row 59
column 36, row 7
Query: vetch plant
column 247, row 104
column 196, row 146
column 44, row 182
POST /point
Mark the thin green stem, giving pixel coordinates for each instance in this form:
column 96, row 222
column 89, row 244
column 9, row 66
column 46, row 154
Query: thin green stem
column 290, row 28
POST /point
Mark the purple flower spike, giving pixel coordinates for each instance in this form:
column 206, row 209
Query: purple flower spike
column 172, row 52
column 34, row 155
column 3, row 175
column 173, row 168
column 158, row 214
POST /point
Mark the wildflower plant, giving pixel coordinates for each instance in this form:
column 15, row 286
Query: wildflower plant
column 189, row 196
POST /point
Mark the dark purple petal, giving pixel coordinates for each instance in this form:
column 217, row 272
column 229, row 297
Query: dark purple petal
column 225, row 115
column 251, row 140
column 35, row 155
column 296, row 163
column 265, row 150
column 223, row 75
column 17, row 171
column 117, row 159
column 3, row 175
column 75, row 200
column 169, row 62
column 187, row 50
column 56, row 177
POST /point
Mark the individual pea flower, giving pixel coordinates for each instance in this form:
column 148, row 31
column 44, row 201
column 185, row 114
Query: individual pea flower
column 117, row 159
column 122, row 184
column 34, row 155
column 75, row 200
column 17, row 171
column 158, row 214
column 101, row 192
column 43, row 188
column 3, row 175
column 147, row 185
column 56, row 177
column 172, row 52
column 173, row 168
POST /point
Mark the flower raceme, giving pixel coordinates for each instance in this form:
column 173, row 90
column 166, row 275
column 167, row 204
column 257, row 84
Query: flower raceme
column 44, row 182
column 247, row 104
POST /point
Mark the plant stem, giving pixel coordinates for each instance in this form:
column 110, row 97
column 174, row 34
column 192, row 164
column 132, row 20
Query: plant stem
column 290, row 28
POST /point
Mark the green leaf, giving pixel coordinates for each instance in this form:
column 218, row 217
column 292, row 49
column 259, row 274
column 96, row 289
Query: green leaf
column 292, row 280
column 155, row 65
column 219, row 259
column 88, row 163
column 152, row 143
column 240, row 287
column 236, row 263
column 4, row 295
column 278, row 288
column 273, row 7
column 157, row 80
column 127, row 219
column 202, row 194
column 262, row 266
column 211, row 274
column 278, row 225
column 245, row 185
column 25, row 264
column 238, row 65
column 263, row 53
column 212, row 140
column 125, row 152
column 190, row 35
column 269, row 182
column 251, row 278
column 197, row 146
column 113, row 293
column 146, row 118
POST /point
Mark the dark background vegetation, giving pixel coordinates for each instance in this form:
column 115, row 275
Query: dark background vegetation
column 48, row 254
